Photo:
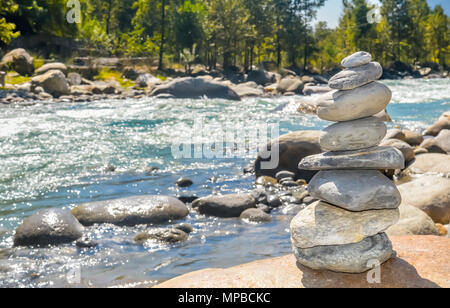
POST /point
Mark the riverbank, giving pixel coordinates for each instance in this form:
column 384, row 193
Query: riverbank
column 95, row 79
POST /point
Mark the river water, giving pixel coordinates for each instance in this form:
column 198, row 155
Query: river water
column 57, row 155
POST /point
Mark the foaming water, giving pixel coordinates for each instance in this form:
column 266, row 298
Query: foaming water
column 55, row 155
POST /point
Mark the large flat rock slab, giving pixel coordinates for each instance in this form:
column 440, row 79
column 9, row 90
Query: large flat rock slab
column 421, row 262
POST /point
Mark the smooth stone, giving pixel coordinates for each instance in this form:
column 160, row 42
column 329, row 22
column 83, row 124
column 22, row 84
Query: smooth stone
column 395, row 133
column 274, row 201
column 322, row 224
column 260, row 196
column 131, row 211
column 442, row 123
column 444, row 139
column 350, row 258
column 412, row 138
column 284, row 154
column 355, row 190
column 263, row 207
column 184, row 182
column 413, row 221
column 431, row 194
column 266, row 181
column 355, row 77
column 225, row 206
column 432, row 146
column 372, row 158
column 406, row 149
column 357, row 59
column 184, row 227
column 48, row 227
column 285, row 174
column 255, row 216
column 430, row 163
column 353, row 135
column 362, row 102
column 162, row 235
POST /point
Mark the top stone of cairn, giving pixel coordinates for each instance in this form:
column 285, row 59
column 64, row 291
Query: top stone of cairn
column 357, row 59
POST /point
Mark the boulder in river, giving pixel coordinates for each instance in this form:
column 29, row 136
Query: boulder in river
column 290, row 84
column 255, row 216
column 19, row 60
column 261, row 77
column 48, row 227
column 131, row 211
column 162, row 235
column 196, row 88
column 442, row 123
column 53, row 82
column 285, row 153
column 224, row 206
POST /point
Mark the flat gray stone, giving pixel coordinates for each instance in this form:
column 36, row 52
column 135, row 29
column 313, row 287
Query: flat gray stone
column 351, row 258
column 131, row 211
column 355, row 77
column 362, row 102
column 355, row 190
column 322, row 224
column 48, row 227
column 353, row 135
column 357, row 59
column 225, row 206
column 373, row 158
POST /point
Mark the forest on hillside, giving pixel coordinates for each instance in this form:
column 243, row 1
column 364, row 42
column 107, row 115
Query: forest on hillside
column 239, row 33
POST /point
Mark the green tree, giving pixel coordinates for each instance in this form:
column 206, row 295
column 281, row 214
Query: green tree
column 6, row 28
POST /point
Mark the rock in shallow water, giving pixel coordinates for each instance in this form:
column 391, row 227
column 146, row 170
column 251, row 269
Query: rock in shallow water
column 322, row 224
column 131, row 211
column 225, row 206
column 162, row 235
column 353, row 135
column 358, row 103
column 351, row 258
column 355, row 190
column 357, row 59
column 256, row 216
column 48, row 227
column 372, row 158
column 355, row 77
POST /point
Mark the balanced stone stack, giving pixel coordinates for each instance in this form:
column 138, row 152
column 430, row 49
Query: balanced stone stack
column 344, row 231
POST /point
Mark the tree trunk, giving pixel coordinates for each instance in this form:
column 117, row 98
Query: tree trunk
column 163, row 27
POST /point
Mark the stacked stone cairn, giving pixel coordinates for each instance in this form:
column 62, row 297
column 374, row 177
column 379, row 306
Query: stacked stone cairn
column 344, row 230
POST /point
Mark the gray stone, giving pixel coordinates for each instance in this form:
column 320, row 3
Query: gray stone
column 184, row 182
column 350, row 258
column 353, row 135
column 52, row 66
column 357, row 59
column 372, row 158
column 285, row 152
column 358, row 103
column 19, row 60
column 48, row 227
column 184, row 227
column 224, row 206
column 284, row 174
column 432, row 146
column 322, row 224
column 355, row 190
column 162, row 235
column 53, row 82
column 74, row 79
column 255, row 216
column 355, row 77
column 131, row 211
column 243, row 90
column 196, row 88
column 290, row 84
column 430, row 163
